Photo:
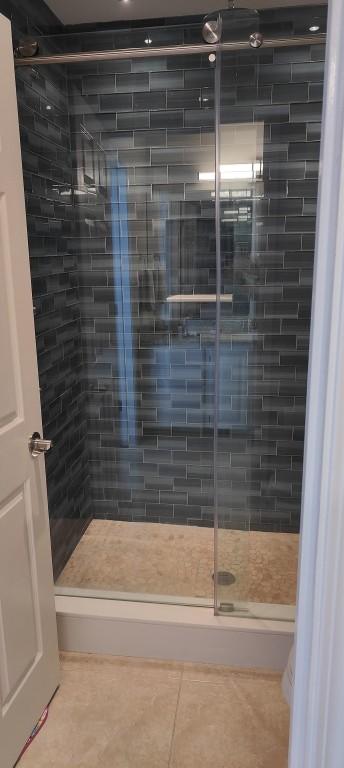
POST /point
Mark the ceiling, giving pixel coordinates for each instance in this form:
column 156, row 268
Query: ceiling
column 88, row 11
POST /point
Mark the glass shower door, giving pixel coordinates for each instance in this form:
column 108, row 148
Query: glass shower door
column 268, row 128
column 144, row 235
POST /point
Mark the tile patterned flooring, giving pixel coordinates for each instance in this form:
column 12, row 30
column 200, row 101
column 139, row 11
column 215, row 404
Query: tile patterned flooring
column 131, row 713
column 159, row 559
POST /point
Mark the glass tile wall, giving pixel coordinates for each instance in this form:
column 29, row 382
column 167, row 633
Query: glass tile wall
column 45, row 140
column 46, row 152
column 145, row 130
column 270, row 124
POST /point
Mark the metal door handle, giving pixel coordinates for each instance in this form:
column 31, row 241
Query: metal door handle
column 37, row 445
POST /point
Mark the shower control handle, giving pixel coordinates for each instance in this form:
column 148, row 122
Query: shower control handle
column 37, row 445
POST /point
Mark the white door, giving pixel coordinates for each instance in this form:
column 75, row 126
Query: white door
column 29, row 671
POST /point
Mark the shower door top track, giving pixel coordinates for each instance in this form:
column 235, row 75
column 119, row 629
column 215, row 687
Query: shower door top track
column 172, row 50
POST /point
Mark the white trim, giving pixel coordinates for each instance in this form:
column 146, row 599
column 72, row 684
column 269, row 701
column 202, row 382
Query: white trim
column 182, row 633
column 317, row 728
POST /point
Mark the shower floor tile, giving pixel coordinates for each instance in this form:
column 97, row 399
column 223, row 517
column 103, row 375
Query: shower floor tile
column 114, row 712
column 177, row 560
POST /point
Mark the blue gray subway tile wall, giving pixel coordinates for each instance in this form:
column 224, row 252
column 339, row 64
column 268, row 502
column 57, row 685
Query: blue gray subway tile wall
column 46, row 154
column 145, row 239
column 121, row 212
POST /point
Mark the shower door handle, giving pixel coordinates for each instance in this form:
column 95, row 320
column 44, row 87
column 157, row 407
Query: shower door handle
column 37, row 445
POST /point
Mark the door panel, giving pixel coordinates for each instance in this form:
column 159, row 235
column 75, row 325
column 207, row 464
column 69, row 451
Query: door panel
column 9, row 405
column 21, row 633
column 29, row 672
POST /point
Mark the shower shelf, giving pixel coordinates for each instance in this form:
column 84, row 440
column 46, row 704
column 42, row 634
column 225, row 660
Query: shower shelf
column 198, row 297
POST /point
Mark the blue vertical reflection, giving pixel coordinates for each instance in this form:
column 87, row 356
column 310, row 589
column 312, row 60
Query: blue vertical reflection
column 121, row 270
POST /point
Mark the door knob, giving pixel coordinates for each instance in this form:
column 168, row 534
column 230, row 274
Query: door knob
column 37, row 445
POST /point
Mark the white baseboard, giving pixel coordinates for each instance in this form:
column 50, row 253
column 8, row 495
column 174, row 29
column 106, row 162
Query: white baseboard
column 181, row 633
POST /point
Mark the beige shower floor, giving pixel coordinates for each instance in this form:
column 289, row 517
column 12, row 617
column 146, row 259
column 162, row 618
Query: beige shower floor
column 177, row 560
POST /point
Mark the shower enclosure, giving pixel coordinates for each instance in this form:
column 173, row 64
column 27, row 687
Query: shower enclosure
column 171, row 192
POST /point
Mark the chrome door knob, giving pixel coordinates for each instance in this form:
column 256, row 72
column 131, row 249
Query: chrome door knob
column 37, row 445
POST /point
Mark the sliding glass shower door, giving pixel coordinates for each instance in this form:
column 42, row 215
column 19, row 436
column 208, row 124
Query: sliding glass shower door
column 144, row 236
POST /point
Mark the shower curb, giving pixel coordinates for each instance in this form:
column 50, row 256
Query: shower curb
column 170, row 632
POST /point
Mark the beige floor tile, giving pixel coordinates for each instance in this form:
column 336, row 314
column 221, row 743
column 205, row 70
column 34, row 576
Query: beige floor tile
column 120, row 713
column 240, row 723
column 108, row 715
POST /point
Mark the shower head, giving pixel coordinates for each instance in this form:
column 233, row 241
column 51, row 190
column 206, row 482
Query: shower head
column 232, row 24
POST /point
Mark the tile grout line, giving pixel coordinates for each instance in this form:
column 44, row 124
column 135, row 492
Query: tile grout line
column 175, row 718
